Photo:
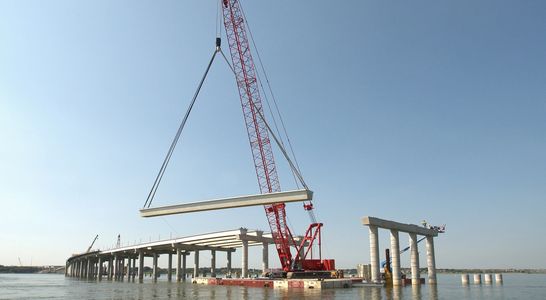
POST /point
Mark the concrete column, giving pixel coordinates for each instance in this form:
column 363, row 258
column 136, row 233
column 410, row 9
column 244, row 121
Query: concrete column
column 265, row 257
column 89, row 268
column 464, row 279
column 395, row 254
column 116, row 268
column 477, row 278
column 488, row 278
column 431, row 260
column 121, row 268
column 184, row 266
column 498, row 278
column 170, row 268
column 133, row 269
column 244, row 260
column 155, row 271
column 141, row 266
column 109, row 270
column 99, row 269
column 178, row 265
column 212, row 263
column 195, row 263
column 128, row 275
column 374, row 254
column 229, row 262
column 414, row 263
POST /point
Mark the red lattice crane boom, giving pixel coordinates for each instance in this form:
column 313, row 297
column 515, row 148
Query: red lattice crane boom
column 262, row 154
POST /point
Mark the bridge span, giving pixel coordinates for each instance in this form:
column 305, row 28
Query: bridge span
column 121, row 263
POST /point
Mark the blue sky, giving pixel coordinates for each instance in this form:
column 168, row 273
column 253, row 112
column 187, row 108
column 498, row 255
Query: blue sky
column 401, row 110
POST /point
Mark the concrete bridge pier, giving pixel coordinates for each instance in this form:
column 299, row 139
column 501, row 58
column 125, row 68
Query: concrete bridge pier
column 184, row 271
column 89, row 269
column 121, row 268
column 99, row 269
column 140, row 266
column 109, row 270
column 196, row 264
column 170, row 267
column 374, row 253
column 244, row 260
column 155, row 273
column 395, row 255
column 178, row 264
column 128, row 275
column 212, row 263
column 396, row 227
column 431, row 261
column 228, row 263
column 414, row 263
column 115, row 270
column 265, row 257
column 133, row 273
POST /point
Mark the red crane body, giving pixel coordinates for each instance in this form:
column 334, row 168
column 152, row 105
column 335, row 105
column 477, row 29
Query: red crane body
column 262, row 154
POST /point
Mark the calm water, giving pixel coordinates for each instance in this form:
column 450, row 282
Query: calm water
column 51, row 286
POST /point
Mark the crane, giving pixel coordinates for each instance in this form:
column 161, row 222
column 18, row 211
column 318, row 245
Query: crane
column 302, row 264
column 92, row 243
column 262, row 154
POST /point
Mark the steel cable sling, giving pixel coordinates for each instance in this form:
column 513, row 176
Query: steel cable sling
column 157, row 181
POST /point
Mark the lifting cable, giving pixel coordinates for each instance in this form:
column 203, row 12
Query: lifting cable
column 271, row 92
column 277, row 141
column 151, row 195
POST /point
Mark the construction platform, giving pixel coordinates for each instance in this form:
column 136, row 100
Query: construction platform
column 306, row 283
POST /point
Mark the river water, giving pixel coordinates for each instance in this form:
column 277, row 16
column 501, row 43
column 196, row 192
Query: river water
column 53, row 286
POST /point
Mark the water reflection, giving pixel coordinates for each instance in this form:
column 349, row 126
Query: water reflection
column 433, row 292
column 416, row 292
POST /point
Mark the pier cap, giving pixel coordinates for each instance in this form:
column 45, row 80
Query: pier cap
column 409, row 228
